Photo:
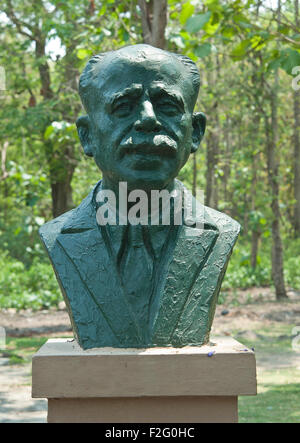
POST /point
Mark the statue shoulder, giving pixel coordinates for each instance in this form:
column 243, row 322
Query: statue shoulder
column 211, row 218
column 222, row 221
column 50, row 230
column 77, row 220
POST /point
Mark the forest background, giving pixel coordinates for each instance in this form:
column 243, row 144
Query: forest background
column 248, row 54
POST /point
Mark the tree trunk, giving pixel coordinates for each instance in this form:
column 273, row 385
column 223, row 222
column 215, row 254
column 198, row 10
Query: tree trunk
column 227, row 162
column 273, row 178
column 40, row 53
column 296, row 164
column 212, row 154
column 254, row 248
column 296, row 97
column 255, row 230
column 61, row 193
column 213, row 140
column 211, row 192
column 154, row 21
column 62, row 169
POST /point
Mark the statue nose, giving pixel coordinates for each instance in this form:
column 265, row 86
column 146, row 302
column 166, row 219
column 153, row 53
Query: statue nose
column 147, row 120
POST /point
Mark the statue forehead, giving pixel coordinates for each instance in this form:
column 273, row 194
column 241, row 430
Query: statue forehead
column 139, row 64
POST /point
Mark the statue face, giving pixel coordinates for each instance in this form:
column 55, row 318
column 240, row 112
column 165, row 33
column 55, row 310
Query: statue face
column 141, row 127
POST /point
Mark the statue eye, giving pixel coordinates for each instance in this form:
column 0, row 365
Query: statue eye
column 168, row 107
column 122, row 109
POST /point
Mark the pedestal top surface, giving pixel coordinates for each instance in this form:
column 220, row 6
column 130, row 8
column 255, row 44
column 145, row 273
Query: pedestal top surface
column 70, row 347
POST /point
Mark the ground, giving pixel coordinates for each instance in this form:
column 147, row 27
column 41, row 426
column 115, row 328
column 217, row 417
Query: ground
column 253, row 317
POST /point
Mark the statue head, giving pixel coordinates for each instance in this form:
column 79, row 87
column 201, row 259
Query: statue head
column 140, row 126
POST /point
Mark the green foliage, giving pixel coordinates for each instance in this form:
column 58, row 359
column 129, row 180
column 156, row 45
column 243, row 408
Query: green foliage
column 291, row 270
column 22, row 288
column 186, row 11
column 240, row 273
column 195, row 23
column 203, row 50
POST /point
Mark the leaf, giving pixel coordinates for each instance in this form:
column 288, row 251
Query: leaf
column 245, row 260
column 241, row 49
column 203, row 50
column 186, row 12
column 241, row 18
column 257, row 42
column 31, row 201
column 102, row 11
column 213, row 5
column 195, row 23
column 126, row 36
column 48, row 132
column 283, row 29
column 228, row 32
column 274, row 64
column 290, row 58
column 17, row 231
column 211, row 28
column 192, row 56
column 82, row 54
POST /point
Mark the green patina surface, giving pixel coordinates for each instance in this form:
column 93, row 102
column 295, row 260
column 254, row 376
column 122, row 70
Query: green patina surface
column 153, row 285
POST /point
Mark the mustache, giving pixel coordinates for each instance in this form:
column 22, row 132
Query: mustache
column 162, row 144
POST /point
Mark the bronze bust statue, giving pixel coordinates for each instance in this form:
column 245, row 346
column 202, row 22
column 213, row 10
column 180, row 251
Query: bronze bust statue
column 139, row 284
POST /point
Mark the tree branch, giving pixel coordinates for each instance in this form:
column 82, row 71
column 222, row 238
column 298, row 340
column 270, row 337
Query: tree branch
column 159, row 23
column 146, row 21
column 9, row 11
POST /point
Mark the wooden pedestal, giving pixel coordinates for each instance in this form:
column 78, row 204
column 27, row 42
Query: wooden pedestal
column 158, row 385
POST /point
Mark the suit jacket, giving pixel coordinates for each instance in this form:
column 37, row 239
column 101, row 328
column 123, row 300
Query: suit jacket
column 183, row 309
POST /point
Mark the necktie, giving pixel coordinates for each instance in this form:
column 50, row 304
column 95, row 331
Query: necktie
column 136, row 268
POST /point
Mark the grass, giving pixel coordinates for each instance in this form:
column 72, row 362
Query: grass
column 20, row 350
column 273, row 340
column 278, row 399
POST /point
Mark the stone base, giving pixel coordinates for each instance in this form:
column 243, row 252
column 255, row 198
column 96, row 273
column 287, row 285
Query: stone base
column 143, row 410
column 157, row 385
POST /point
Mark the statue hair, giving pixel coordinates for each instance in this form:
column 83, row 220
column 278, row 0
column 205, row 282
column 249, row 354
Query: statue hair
column 91, row 71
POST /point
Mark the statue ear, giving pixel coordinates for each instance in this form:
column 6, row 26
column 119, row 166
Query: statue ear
column 84, row 131
column 199, row 123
